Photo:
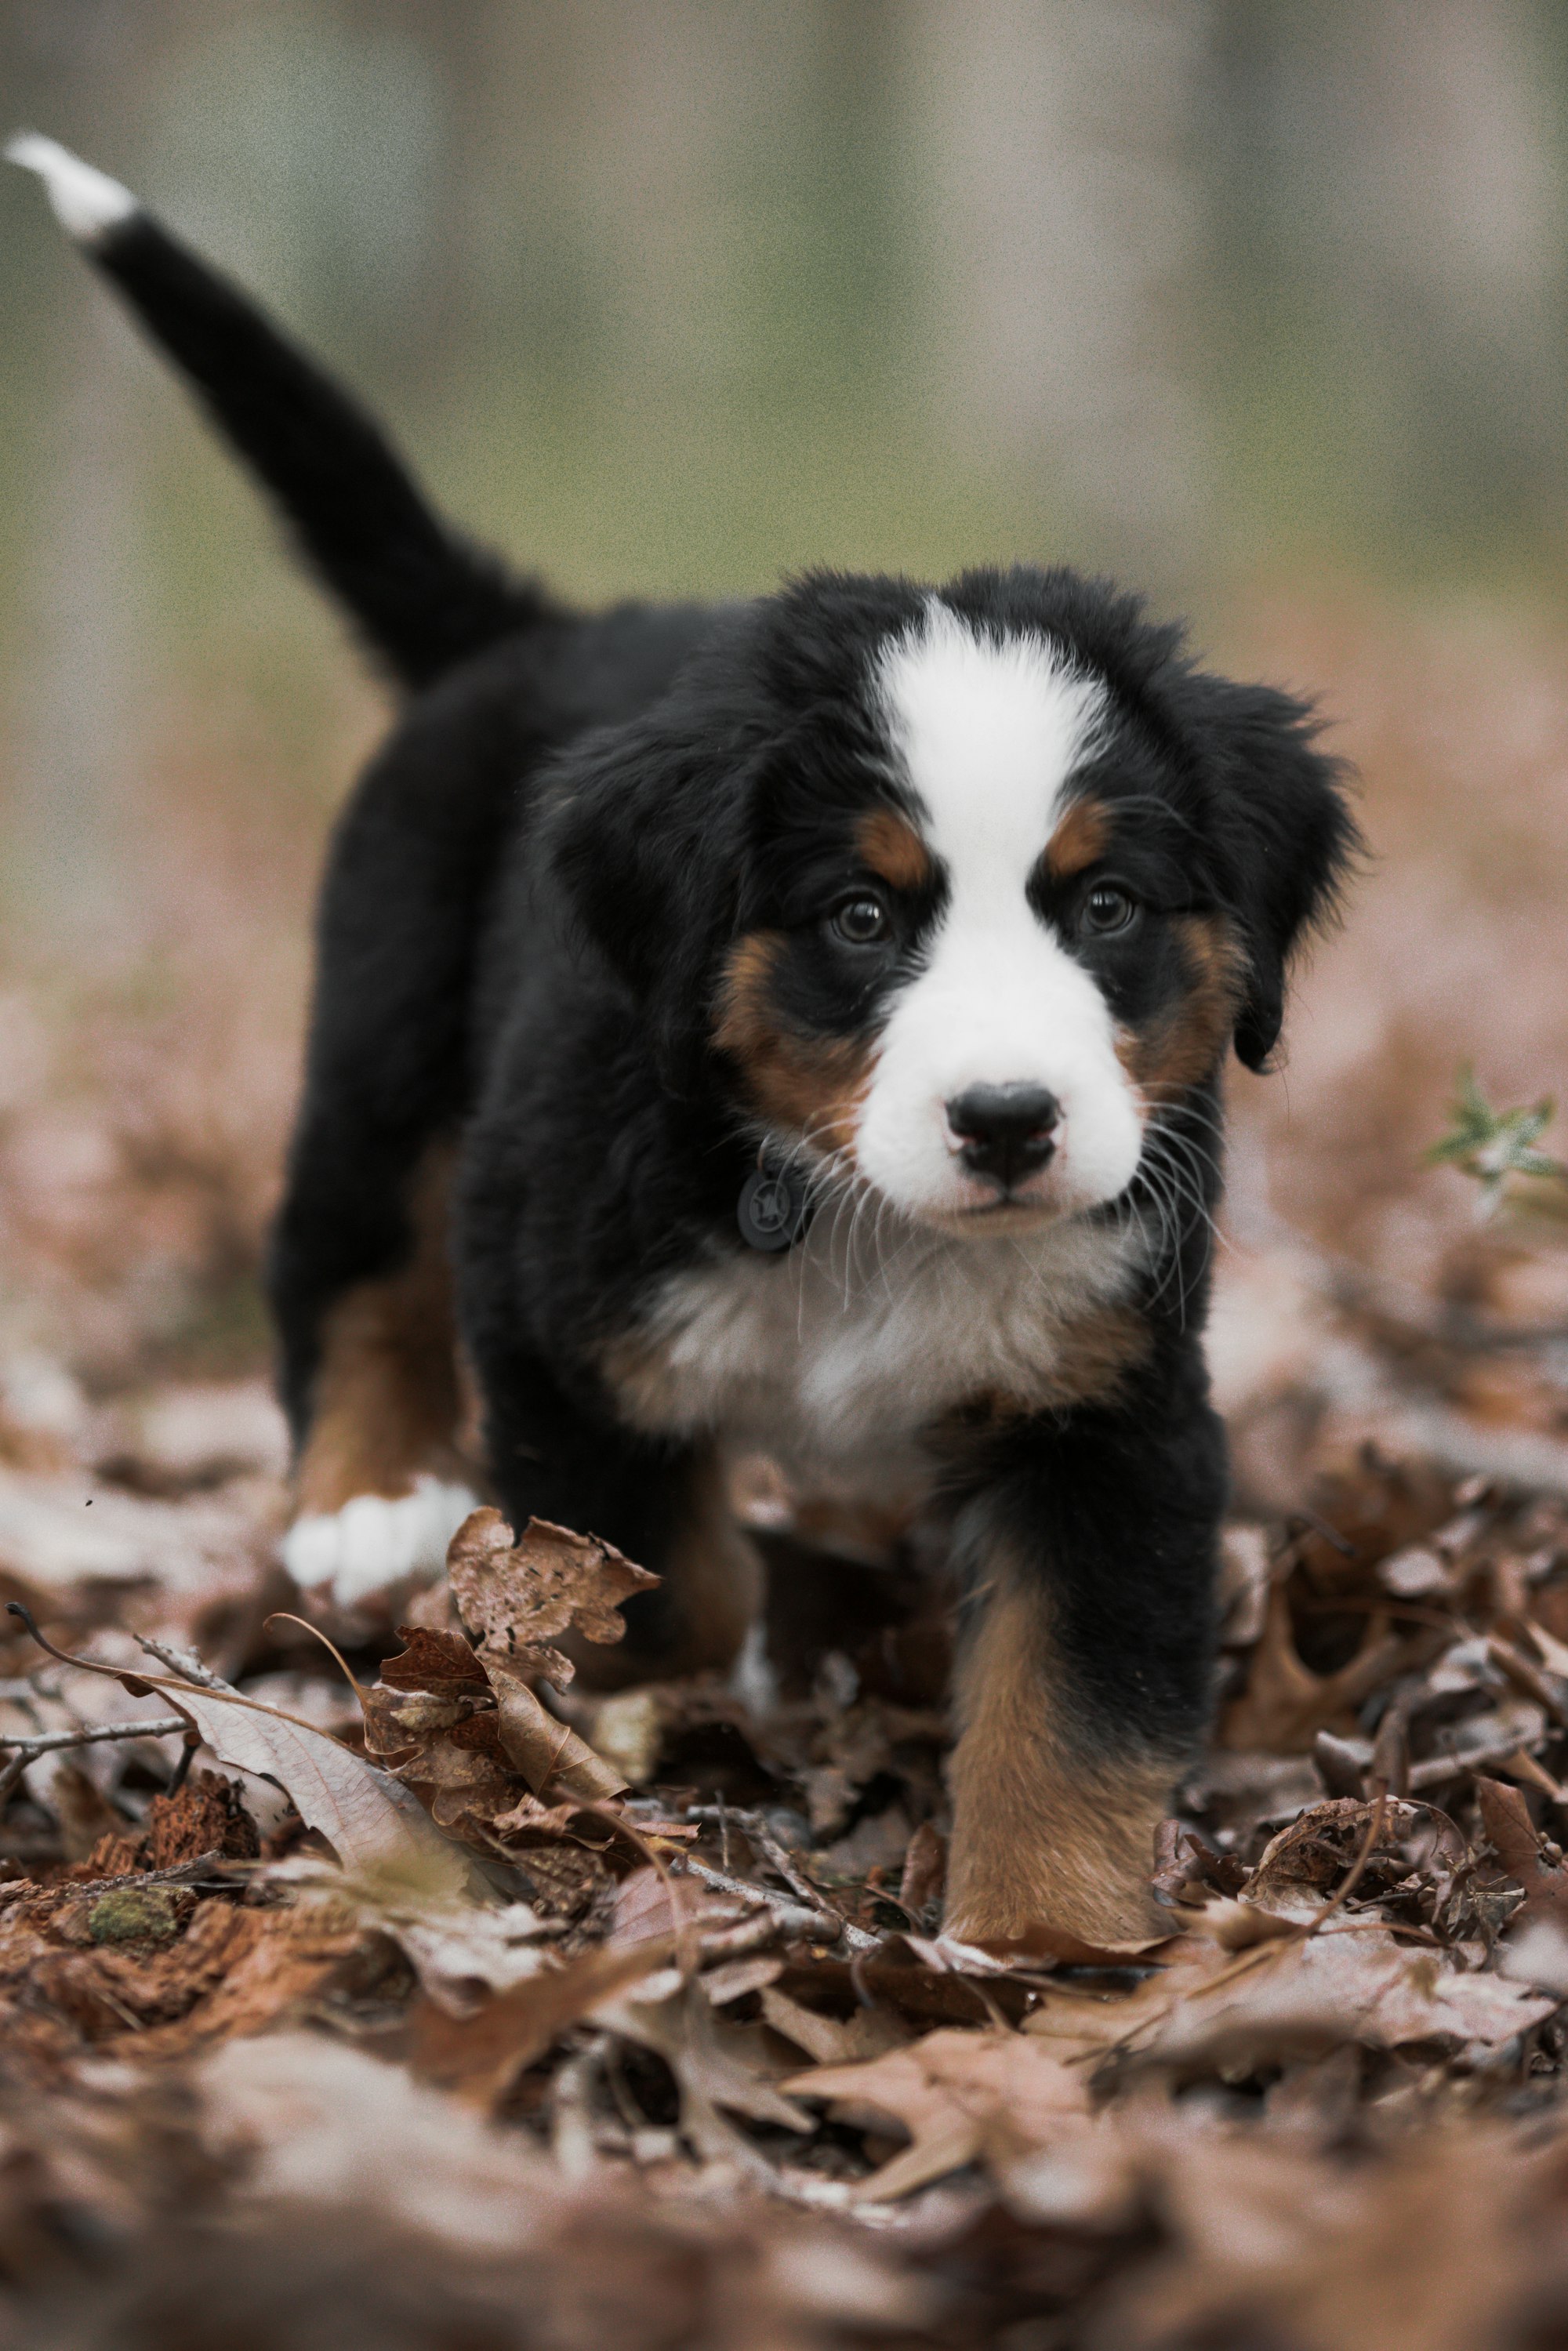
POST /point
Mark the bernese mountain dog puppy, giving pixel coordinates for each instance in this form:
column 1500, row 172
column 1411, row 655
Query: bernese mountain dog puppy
column 795, row 1025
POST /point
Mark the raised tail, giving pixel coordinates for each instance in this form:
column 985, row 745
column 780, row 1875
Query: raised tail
column 419, row 593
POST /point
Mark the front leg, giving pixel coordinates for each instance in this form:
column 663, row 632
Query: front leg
column 1087, row 1542
column 664, row 1503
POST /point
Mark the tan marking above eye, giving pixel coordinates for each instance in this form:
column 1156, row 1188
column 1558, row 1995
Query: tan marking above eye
column 1081, row 839
column 890, row 848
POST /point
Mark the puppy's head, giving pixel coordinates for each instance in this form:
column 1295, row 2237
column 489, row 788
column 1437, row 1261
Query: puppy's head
column 954, row 889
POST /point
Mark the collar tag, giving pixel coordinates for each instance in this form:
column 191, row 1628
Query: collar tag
column 773, row 1210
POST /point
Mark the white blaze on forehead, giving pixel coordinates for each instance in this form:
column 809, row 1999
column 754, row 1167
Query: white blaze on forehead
column 988, row 734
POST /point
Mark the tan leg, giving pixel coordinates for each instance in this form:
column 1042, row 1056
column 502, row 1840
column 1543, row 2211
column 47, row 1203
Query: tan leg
column 387, row 1405
column 382, row 1480
column 1042, row 1832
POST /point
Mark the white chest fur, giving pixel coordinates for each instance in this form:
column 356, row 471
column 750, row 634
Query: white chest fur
column 835, row 1358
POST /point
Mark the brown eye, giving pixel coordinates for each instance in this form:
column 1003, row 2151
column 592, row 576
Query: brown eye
column 861, row 921
column 1107, row 910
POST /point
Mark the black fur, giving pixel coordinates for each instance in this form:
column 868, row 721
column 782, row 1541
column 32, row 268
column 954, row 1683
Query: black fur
column 423, row 598
column 525, row 932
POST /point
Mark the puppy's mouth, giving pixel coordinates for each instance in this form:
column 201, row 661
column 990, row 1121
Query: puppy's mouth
column 988, row 1205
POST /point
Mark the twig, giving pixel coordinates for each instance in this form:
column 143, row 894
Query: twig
column 183, row 1662
column 826, row 1926
column 762, row 1836
column 40, row 1742
column 754, row 1933
column 191, row 1673
column 178, row 1873
column 773, row 1852
column 45, row 1743
column 1438, row 1768
column 1527, row 1676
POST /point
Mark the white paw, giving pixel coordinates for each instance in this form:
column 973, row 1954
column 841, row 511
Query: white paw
column 376, row 1540
column 751, row 1678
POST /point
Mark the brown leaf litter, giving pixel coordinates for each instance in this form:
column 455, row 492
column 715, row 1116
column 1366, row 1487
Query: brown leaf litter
column 459, row 2005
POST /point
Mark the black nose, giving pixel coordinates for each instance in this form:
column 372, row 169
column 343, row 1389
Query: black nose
column 1007, row 1132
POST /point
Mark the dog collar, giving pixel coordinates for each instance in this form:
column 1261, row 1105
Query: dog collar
column 774, row 1209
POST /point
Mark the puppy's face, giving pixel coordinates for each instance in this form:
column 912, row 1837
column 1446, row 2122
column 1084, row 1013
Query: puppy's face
column 985, row 967
column 964, row 888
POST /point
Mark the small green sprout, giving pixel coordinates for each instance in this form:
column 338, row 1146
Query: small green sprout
column 1497, row 1149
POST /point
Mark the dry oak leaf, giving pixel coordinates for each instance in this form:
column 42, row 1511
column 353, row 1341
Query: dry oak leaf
column 964, row 2097
column 517, row 1594
column 1506, row 1818
column 1285, row 1704
column 432, row 1715
column 479, row 2056
column 718, row 2067
column 1301, row 1998
column 462, row 1726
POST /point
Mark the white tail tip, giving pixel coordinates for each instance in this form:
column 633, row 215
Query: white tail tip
column 88, row 203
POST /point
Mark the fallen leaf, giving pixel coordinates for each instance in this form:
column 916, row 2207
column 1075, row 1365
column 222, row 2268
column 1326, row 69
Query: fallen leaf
column 1310, row 1857
column 650, row 1902
column 1285, row 1704
column 517, row 1594
column 1505, row 1816
column 869, row 2033
column 962, row 2098
column 716, row 2065
column 1301, row 1998
column 549, row 1753
column 479, row 2056
column 924, row 1869
column 460, row 1951
column 374, row 1826
column 466, row 1730
column 1187, row 1870
column 1443, row 2246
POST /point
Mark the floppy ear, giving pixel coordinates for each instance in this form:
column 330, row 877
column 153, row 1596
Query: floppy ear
column 1286, row 837
column 643, row 838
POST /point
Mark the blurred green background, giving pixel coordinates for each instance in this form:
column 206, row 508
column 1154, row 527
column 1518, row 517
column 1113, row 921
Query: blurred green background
column 1260, row 306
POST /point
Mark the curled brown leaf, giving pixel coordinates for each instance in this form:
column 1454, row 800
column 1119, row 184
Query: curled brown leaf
column 518, row 1594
